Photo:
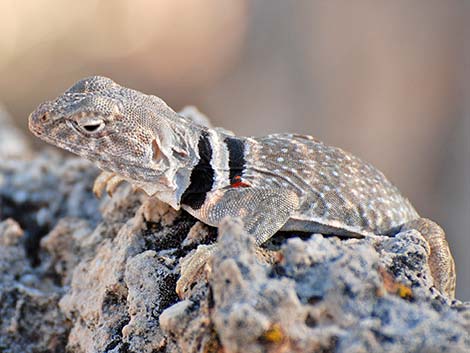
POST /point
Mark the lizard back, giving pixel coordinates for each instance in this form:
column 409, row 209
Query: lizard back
column 336, row 189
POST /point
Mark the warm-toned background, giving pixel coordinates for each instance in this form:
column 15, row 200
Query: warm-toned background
column 387, row 80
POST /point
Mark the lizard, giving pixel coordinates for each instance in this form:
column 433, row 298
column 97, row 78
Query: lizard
column 284, row 181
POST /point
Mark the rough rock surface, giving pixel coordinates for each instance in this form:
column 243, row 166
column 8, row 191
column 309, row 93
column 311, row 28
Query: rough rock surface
column 84, row 275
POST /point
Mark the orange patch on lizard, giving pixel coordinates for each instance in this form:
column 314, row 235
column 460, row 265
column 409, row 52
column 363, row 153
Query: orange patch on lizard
column 238, row 183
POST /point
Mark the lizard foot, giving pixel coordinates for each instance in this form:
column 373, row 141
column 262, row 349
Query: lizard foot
column 192, row 267
column 441, row 262
column 106, row 181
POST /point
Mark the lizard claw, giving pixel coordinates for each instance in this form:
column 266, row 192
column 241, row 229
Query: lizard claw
column 113, row 184
column 100, row 183
column 106, row 181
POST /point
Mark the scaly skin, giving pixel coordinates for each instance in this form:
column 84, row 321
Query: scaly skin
column 277, row 182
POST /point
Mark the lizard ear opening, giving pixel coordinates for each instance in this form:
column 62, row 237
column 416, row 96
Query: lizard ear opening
column 156, row 152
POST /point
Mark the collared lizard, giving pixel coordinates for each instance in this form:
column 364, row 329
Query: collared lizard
column 278, row 182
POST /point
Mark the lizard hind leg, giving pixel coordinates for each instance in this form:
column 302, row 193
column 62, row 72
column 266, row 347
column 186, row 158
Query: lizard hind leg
column 441, row 262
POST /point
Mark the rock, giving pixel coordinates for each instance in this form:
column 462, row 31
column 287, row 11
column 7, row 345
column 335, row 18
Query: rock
column 30, row 319
column 328, row 295
column 100, row 276
column 39, row 191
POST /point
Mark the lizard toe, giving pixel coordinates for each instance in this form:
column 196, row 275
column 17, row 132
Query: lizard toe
column 113, row 183
column 101, row 182
column 192, row 268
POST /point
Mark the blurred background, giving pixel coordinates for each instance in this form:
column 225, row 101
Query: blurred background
column 386, row 80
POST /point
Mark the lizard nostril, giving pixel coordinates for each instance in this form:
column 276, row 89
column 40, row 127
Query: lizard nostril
column 44, row 117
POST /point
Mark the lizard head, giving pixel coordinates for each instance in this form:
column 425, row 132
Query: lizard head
column 134, row 135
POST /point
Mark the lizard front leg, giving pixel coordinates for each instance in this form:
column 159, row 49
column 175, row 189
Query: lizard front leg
column 108, row 181
column 441, row 262
column 262, row 212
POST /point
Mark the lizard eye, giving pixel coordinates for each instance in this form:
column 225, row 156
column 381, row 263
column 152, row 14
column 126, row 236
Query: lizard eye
column 93, row 127
column 89, row 127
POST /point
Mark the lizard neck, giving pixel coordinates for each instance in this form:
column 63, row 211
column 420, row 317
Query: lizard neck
column 213, row 160
column 202, row 176
column 187, row 146
column 221, row 159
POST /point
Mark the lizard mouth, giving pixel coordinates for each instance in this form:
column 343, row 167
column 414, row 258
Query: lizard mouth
column 34, row 127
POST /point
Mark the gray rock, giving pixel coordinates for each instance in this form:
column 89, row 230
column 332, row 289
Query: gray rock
column 30, row 319
column 101, row 277
column 39, row 191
